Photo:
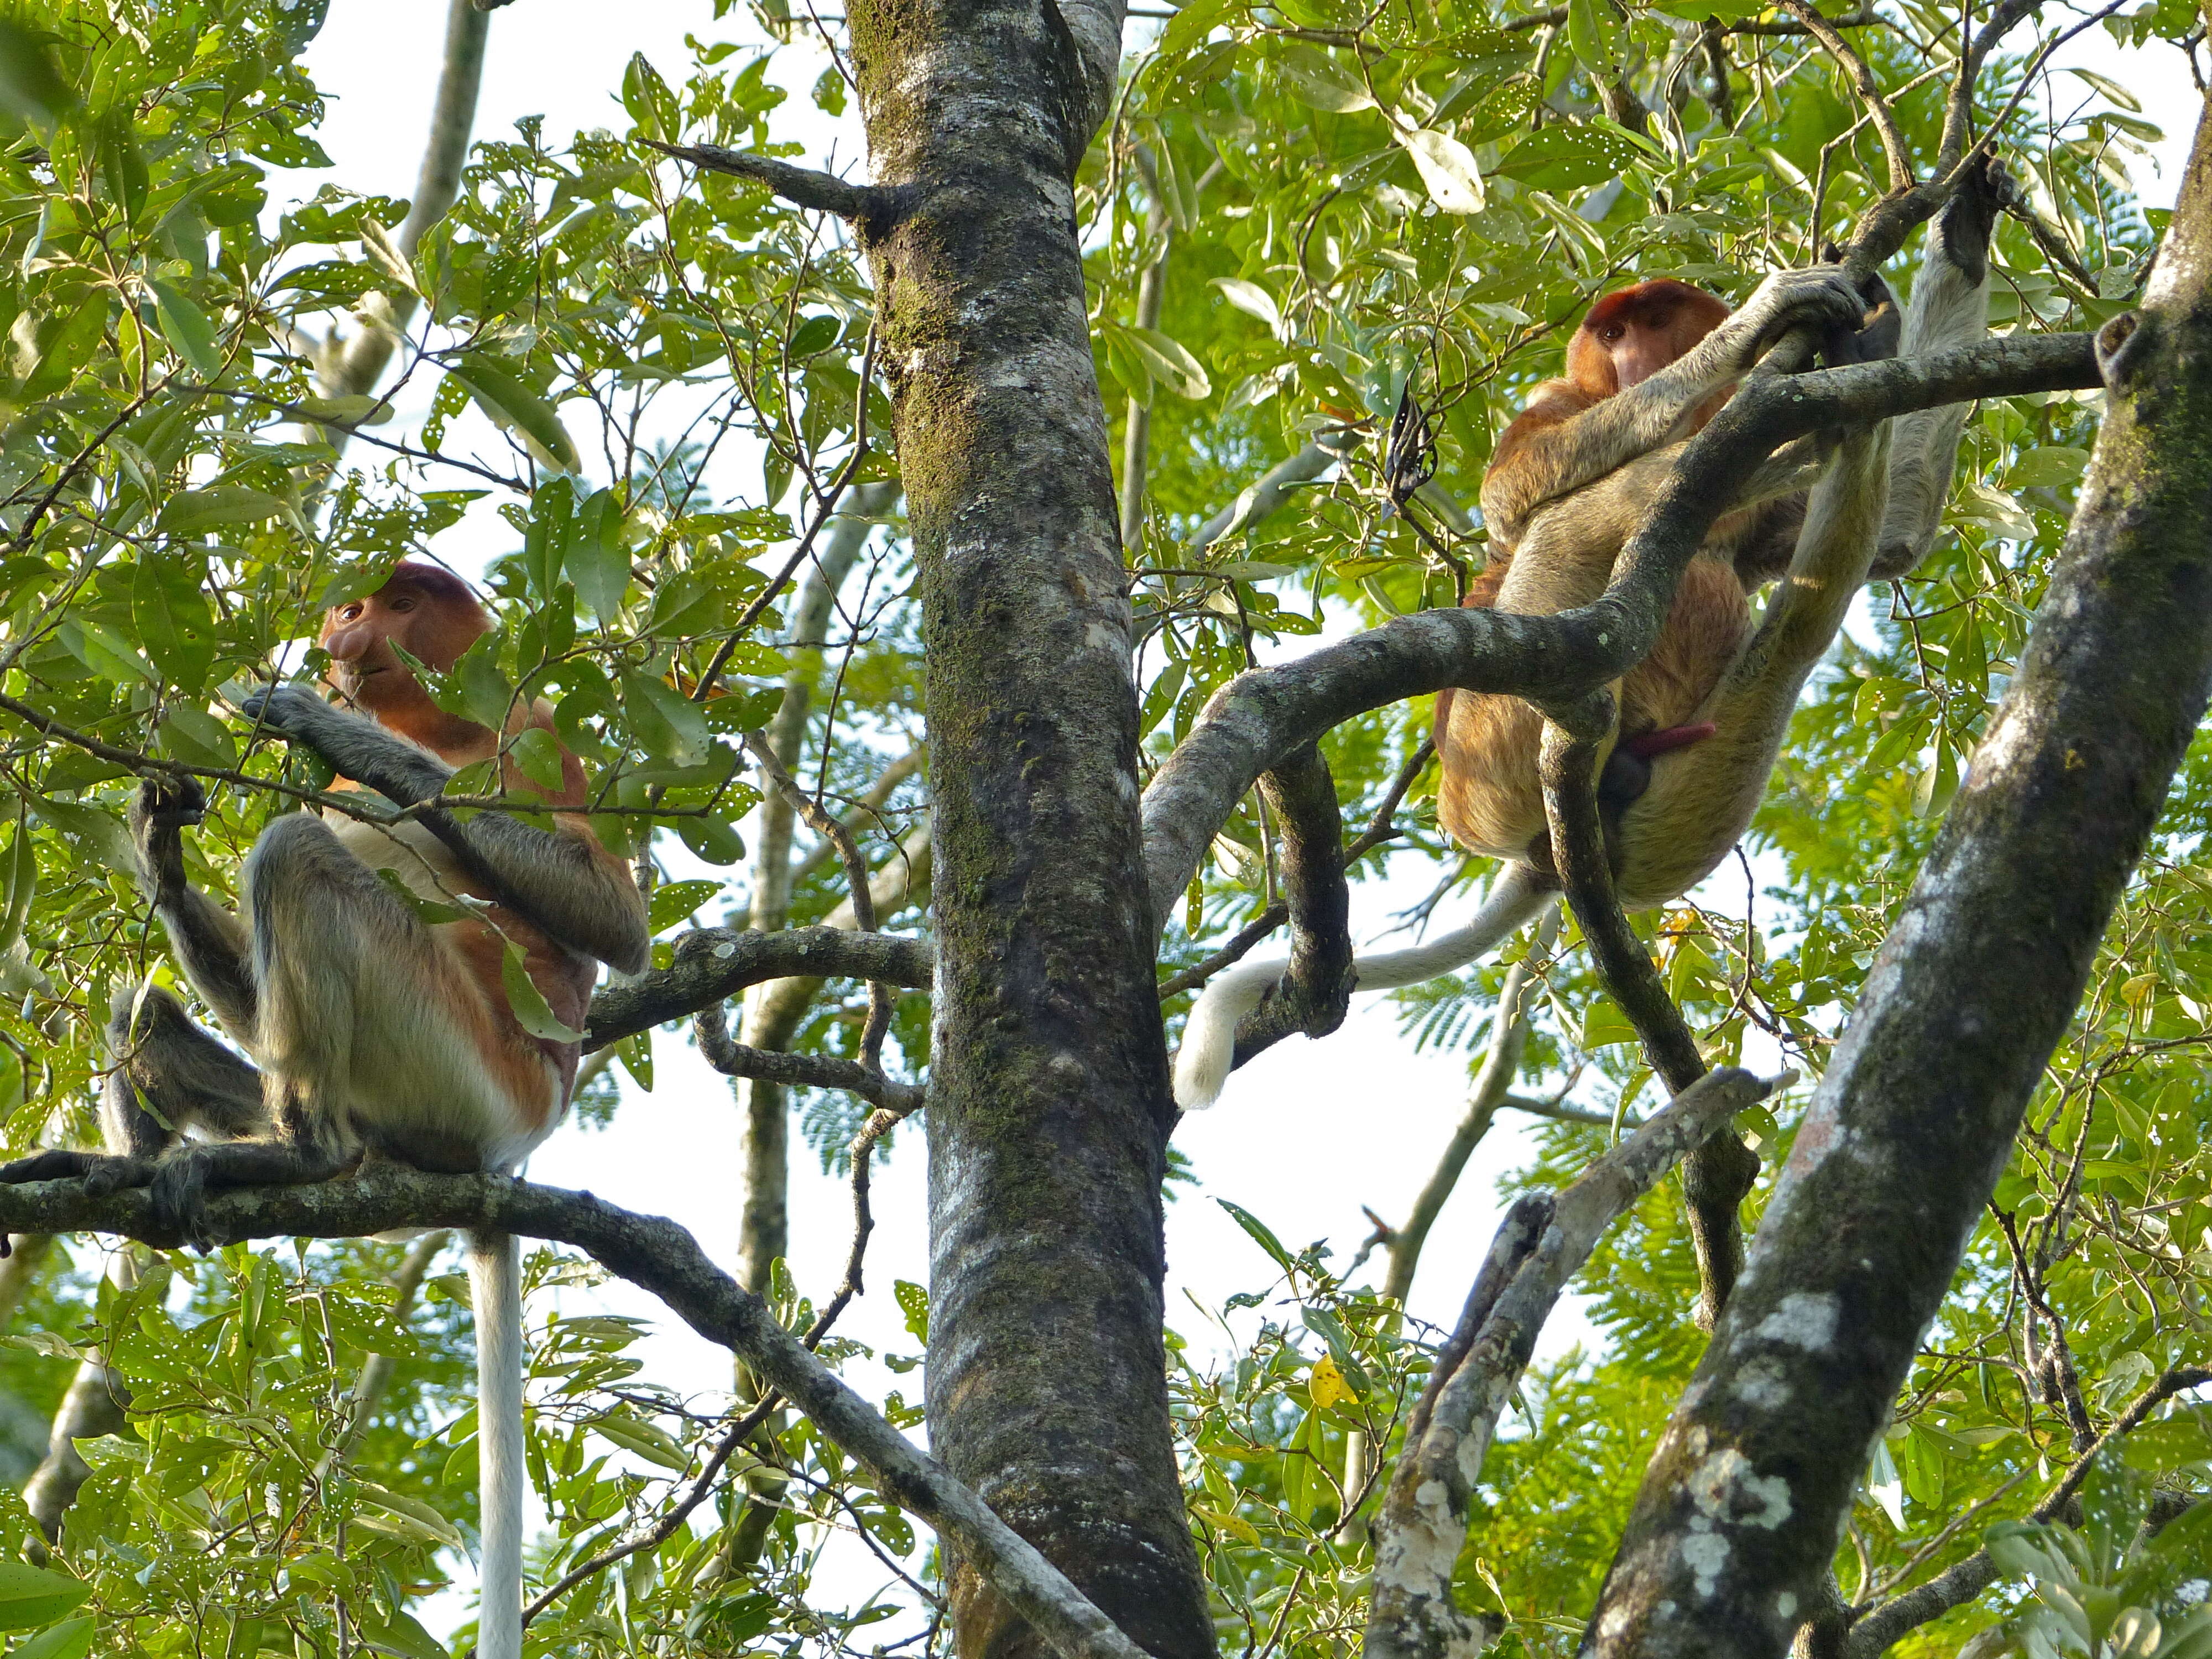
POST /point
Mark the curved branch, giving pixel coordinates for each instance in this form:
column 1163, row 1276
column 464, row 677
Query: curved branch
column 799, row 1071
column 1315, row 988
column 1422, row 1526
column 715, row 963
column 1717, row 1175
column 656, row 1255
column 1261, row 716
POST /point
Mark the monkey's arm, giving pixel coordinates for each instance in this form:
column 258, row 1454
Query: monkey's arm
column 209, row 942
column 561, row 879
column 1550, row 457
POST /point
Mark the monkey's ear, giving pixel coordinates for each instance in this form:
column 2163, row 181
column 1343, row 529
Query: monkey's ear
column 1831, row 253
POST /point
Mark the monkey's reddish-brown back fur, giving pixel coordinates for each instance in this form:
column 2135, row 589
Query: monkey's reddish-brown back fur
column 1488, row 798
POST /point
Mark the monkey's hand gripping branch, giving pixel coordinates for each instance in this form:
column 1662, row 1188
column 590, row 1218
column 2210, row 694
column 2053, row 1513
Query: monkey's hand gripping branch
column 657, row 1255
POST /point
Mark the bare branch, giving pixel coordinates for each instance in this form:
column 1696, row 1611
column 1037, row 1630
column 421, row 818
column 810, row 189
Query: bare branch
column 658, row 1256
column 868, row 206
column 798, row 1071
column 715, row 963
column 1864, row 84
column 1423, row 1524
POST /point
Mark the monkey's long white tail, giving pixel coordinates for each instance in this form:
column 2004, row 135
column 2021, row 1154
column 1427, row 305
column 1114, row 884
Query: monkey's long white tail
column 496, row 1288
column 1209, row 1037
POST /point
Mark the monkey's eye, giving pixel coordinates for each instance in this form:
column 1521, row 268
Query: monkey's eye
column 402, row 605
column 350, row 613
column 1613, row 334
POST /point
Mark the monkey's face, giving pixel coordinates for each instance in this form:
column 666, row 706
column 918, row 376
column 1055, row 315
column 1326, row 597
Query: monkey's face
column 432, row 627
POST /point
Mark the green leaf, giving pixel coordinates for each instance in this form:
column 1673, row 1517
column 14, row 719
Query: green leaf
column 429, row 911
column 1447, row 167
column 649, row 1440
column 1169, row 363
column 538, row 754
column 173, row 619
column 1605, row 1024
column 674, row 901
column 1260, row 1233
column 512, row 406
column 197, row 510
column 412, row 1514
column 1316, row 79
column 599, row 556
column 913, row 1302
column 31, row 88
column 667, row 724
column 31, row 1597
column 186, row 327
column 485, row 694
column 1250, row 298
column 399, row 1634
column 712, row 839
column 531, row 1011
column 70, row 1639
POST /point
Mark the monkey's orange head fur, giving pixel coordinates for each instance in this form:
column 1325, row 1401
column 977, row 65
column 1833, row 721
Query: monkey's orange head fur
column 1634, row 332
column 429, row 612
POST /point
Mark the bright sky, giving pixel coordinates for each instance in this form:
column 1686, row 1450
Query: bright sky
column 1304, row 1136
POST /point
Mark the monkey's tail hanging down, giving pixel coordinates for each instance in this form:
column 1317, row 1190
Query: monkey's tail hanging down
column 1519, row 896
column 496, row 1288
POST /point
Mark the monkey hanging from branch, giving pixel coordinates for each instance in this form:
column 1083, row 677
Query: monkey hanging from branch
column 374, row 1032
column 1703, row 717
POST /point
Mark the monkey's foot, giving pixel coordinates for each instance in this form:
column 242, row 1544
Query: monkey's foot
column 100, row 1172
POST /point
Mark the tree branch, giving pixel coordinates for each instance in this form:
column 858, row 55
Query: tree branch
column 1315, row 988
column 715, row 963
column 1719, row 1174
column 870, row 207
column 798, row 1071
column 1864, row 84
column 658, row 1256
column 1262, row 714
column 1423, row 1524
column 1878, row 1630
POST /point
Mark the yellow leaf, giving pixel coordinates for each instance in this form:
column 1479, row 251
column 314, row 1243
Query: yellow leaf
column 1326, row 1384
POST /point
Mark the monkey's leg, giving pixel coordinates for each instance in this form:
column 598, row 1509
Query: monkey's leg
column 370, row 1034
column 206, row 939
column 1702, row 797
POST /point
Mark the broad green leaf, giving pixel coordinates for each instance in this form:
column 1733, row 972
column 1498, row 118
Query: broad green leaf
column 674, row 901
column 669, row 724
column 711, row 839
column 1447, row 167
column 1317, row 79
column 70, row 1639
column 197, row 510
column 412, row 1514
column 511, row 404
column 31, row 88
column 31, row 1597
column 649, row 1440
column 1169, row 364
column 186, row 327
column 599, row 556
column 531, row 1011
column 538, row 754
column 1251, row 299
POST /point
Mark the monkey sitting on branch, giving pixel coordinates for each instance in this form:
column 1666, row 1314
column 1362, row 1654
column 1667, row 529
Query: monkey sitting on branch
column 375, row 1031
column 1705, row 715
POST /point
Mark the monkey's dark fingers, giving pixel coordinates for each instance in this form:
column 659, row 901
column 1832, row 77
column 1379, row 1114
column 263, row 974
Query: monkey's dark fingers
column 100, row 1172
column 282, row 709
column 178, row 1193
column 169, row 803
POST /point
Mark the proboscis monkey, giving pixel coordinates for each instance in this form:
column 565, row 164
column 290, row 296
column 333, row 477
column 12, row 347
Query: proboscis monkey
column 374, row 1032
column 1873, row 514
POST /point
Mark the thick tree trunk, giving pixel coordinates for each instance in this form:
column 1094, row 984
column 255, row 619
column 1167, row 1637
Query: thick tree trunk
column 1048, row 1094
column 1740, row 1516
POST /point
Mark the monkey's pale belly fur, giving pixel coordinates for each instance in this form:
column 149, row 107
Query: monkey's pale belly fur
column 457, row 1080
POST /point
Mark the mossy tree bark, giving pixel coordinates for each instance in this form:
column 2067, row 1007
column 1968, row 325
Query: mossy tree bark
column 1739, row 1518
column 1049, row 1105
